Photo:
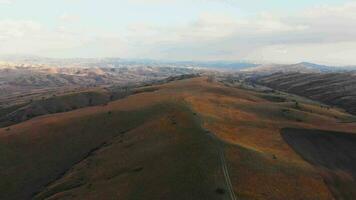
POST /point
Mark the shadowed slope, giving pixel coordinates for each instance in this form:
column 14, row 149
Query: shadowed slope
column 169, row 157
column 333, row 152
column 151, row 135
column 336, row 89
column 33, row 155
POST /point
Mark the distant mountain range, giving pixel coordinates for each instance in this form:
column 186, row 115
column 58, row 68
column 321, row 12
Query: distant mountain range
column 303, row 67
column 247, row 67
column 119, row 62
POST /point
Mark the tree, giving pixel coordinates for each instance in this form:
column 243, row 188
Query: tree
column 297, row 105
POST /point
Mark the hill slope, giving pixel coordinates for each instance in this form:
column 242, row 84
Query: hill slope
column 333, row 152
column 155, row 146
column 336, row 89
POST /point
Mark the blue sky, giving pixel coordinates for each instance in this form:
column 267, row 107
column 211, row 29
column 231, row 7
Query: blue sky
column 254, row 30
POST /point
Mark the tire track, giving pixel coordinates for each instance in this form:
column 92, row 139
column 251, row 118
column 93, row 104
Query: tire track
column 225, row 170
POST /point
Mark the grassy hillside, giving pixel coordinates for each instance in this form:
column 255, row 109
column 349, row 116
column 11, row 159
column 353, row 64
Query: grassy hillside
column 336, row 89
column 54, row 104
column 262, row 164
column 67, row 101
column 153, row 145
column 333, row 152
column 168, row 157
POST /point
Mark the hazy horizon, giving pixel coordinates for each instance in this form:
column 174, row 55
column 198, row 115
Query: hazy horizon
column 22, row 58
column 272, row 31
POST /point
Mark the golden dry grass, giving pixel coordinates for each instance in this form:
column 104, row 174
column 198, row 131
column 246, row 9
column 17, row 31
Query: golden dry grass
column 261, row 164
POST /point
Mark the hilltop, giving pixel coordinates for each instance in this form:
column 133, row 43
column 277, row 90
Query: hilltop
column 187, row 139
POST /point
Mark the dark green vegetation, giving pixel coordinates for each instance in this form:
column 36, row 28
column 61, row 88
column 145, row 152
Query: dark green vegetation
column 335, row 89
column 333, row 152
column 274, row 98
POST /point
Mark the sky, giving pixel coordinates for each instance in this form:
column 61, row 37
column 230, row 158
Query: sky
column 260, row 31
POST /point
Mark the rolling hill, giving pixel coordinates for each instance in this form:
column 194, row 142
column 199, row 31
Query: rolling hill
column 21, row 110
column 187, row 139
column 333, row 152
column 55, row 104
column 302, row 67
column 20, row 80
column 335, row 89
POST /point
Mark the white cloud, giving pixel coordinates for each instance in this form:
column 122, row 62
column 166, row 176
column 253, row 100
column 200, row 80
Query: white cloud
column 211, row 26
column 150, row 2
column 66, row 17
column 17, row 28
column 210, row 36
column 346, row 10
column 30, row 37
column 6, row 2
column 324, row 34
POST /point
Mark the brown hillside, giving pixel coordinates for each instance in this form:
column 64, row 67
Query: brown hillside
column 336, row 89
column 155, row 146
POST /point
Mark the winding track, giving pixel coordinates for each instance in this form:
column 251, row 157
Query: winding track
column 226, row 172
column 223, row 165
